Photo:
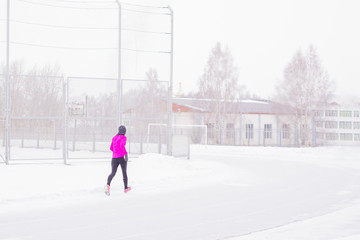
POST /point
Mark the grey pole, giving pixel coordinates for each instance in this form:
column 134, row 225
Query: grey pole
column 119, row 82
column 65, row 138
column 169, row 144
column 7, row 123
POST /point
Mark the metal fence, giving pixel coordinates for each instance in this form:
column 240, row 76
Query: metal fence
column 57, row 118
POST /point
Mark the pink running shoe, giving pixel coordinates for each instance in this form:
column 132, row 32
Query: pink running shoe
column 126, row 190
column 107, row 190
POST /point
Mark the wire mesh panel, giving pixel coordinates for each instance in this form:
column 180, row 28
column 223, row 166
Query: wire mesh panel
column 36, row 116
column 145, row 104
column 92, row 110
column 37, row 133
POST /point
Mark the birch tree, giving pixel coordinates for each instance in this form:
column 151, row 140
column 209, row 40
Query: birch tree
column 219, row 84
column 306, row 87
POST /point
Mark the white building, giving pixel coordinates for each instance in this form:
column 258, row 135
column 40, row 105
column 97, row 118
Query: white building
column 338, row 125
column 246, row 122
column 255, row 123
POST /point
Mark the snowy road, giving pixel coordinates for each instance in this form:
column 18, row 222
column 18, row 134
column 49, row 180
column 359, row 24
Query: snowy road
column 255, row 194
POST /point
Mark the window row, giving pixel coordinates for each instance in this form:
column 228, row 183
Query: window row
column 337, row 136
column 340, row 124
column 249, row 131
column 337, row 113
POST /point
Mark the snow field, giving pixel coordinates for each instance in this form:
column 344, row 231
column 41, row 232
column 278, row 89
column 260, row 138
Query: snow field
column 222, row 192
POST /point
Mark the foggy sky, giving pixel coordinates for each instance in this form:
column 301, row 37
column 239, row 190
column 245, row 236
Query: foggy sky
column 262, row 36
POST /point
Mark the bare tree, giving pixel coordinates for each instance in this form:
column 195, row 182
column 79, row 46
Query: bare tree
column 147, row 104
column 43, row 91
column 219, row 84
column 34, row 93
column 306, row 87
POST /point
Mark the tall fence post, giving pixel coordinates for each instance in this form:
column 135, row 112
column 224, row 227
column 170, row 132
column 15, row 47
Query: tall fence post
column 54, row 134
column 94, row 140
column 7, row 87
column 159, row 146
column 313, row 131
column 38, row 140
column 141, row 144
column 170, row 91
column 65, row 143
column 74, row 134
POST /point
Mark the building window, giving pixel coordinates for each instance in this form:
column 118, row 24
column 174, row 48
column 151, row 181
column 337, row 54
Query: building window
column 356, row 114
column 331, row 113
column 345, row 113
column 331, row 136
column 346, row 137
column 249, row 131
column 230, row 130
column 319, row 113
column 345, row 125
column 267, row 131
column 320, row 135
column 356, row 137
column 286, row 131
column 331, row 124
column 304, row 131
column 319, row 124
column 211, row 130
column 356, row 125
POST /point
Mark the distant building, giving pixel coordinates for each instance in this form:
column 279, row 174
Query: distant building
column 338, row 125
column 249, row 122
column 246, row 122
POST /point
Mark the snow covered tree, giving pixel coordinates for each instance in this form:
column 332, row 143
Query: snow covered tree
column 219, row 84
column 306, row 87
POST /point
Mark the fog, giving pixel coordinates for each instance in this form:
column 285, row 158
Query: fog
column 82, row 38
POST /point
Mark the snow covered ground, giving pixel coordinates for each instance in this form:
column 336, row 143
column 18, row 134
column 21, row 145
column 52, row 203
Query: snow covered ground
column 235, row 193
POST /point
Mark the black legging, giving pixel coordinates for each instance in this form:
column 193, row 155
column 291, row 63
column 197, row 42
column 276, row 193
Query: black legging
column 114, row 166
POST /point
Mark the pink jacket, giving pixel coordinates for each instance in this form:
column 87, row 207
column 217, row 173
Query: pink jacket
column 118, row 146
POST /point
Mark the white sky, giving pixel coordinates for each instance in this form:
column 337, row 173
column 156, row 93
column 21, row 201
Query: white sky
column 262, row 36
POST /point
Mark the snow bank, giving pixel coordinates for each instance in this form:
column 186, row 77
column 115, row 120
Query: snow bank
column 148, row 173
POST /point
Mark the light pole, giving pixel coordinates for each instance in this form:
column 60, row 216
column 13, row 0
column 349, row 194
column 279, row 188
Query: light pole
column 119, row 81
column 169, row 147
column 7, row 87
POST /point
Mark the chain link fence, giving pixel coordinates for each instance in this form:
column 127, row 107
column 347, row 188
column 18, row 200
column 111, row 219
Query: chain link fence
column 57, row 118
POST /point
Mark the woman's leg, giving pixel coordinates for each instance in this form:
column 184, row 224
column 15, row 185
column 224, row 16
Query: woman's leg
column 114, row 167
column 123, row 164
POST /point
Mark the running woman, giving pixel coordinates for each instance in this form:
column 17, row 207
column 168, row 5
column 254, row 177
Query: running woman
column 119, row 157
